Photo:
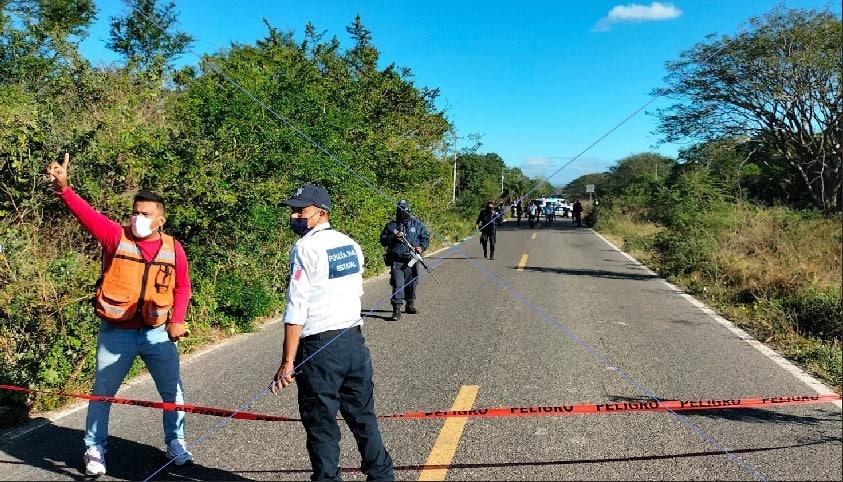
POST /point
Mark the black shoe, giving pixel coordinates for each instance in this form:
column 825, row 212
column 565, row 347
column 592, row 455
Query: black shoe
column 411, row 308
column 492, row 257
column 396, row 312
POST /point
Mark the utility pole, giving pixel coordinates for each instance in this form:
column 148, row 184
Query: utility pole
column 454, row 180
column 502, row 171
column 454, row 193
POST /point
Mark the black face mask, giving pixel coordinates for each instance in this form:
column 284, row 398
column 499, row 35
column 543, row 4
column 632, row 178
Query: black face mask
column 299, row 225
column 401, row 215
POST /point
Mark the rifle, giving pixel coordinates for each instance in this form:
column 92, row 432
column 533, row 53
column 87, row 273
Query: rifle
column 416, row 257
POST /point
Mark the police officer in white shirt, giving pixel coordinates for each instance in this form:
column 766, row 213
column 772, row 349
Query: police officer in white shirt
column 323, row 301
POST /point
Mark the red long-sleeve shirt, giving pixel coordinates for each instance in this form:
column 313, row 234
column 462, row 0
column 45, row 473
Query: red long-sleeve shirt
column 108, row 233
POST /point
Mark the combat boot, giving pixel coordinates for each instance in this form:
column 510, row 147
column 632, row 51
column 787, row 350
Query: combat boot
column 411, row 307
column 396, row 312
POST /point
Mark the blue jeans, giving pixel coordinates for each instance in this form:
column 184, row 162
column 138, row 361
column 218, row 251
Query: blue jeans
column 340, row 378
column 116, row 350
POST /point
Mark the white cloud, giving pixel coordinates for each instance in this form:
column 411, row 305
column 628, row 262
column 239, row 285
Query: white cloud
column 537, row 166
column 634, row 12
column 543, row 166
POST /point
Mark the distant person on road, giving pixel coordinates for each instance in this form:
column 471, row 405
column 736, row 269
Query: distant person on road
column 323, row 304
column 488, row 231
column 403, row 278
column 548, row 214
column 499, row 210
column 141, row 300
column 577, row 210
column 532, row 213
column 519, row 211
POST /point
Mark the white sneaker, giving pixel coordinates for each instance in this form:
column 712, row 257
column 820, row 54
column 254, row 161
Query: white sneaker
column 95, row 461
column 177, row 451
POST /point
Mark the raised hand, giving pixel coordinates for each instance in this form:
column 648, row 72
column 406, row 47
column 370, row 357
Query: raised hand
column 58, row 173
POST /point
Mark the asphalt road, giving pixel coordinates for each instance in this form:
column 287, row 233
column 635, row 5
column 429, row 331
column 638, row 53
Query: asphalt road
column 473, row 332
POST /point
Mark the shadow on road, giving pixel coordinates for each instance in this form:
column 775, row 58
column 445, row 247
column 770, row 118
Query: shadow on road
column 713, row 453
column 59, row 450
column 596, row 273
column 374, row 314
column 757, row 415
column 451, row 257
column 750, row 415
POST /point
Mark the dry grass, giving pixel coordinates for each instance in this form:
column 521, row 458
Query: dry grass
column 766, row 256
column 631, row 235
column 772, row 252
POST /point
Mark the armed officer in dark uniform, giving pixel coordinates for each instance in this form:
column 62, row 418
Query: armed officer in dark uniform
column 398, row 256
column 486, row 223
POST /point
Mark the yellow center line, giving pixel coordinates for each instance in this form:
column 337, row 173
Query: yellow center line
column 534, row 235
column 436, row 467
column 522, row 262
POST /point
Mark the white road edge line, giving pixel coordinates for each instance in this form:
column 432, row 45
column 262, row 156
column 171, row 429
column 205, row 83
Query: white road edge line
column 56, row 415
column 779, row 360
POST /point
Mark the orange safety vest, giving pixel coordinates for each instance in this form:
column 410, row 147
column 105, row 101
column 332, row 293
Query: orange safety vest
column 131, row 285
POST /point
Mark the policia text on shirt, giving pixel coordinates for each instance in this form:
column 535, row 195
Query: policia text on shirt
column 322, row 320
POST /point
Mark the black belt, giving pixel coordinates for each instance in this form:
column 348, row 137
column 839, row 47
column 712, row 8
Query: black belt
column 330, row 334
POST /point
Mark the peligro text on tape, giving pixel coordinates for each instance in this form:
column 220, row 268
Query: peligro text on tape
column 495, row 412
column 643, row 406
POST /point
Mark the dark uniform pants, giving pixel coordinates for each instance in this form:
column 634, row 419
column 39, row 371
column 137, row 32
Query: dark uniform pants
column 340, row 378
column 400, row 275
column 490, row 239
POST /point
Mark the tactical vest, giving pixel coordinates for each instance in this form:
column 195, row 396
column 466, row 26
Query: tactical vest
column 131, row 285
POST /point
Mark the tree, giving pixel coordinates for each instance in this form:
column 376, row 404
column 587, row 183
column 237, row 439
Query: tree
column 576, row 189
column 62, row 18
column 516, row 184
column 638, row 172
column 37, row 37
column 777, row 83
column 478, row 180
column 363, row 56
column 747, row 169
column 146, row 37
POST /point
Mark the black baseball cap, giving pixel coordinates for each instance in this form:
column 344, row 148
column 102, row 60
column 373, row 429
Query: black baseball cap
column 310, row 195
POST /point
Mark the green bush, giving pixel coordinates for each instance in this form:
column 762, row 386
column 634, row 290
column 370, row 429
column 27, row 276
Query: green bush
column 244, row 300
column 680, row 255
column 693, row 210
column 591, row 217
column 642, row 243
column 815, row 312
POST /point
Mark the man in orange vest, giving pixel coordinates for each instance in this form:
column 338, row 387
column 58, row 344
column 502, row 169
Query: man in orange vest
column 141, row 301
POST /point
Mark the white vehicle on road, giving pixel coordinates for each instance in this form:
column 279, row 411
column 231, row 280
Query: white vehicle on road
column 562, row 208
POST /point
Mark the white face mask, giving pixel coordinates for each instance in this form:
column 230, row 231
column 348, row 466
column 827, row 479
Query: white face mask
column 141, row 225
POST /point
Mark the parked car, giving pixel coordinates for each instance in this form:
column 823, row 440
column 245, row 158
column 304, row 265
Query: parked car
column 563, row 210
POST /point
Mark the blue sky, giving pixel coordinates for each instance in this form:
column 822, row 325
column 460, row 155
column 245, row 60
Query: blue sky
column 540, row 80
